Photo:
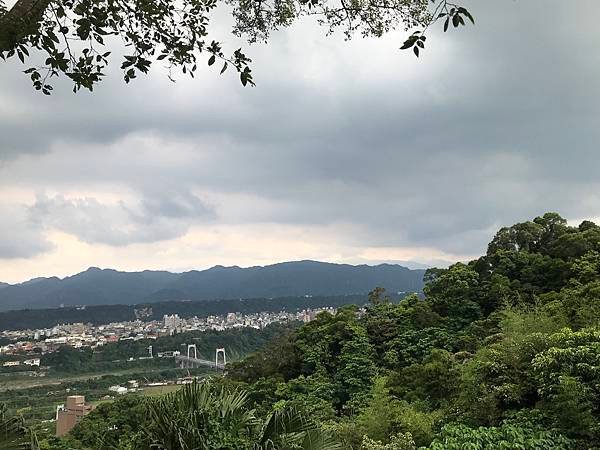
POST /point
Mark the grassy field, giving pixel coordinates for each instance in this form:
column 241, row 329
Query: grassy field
column 38, row 401
column 152, row 391
column 57, row 379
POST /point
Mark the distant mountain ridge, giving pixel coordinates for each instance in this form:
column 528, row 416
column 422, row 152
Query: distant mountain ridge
column 108, row 286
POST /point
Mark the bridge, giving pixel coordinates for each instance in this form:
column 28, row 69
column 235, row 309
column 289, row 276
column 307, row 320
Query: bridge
column 189, row 361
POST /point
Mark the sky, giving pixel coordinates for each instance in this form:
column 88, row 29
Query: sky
column 345, row 151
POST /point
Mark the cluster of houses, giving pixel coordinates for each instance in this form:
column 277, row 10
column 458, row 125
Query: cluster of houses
column 28, row 345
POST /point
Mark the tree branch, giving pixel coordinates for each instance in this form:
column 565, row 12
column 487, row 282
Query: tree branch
column 21, row 21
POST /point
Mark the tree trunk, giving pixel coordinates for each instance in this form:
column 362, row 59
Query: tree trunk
column 22, row 20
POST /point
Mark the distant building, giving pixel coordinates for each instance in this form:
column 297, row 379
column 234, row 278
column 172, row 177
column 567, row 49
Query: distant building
column 11, row 363
column 68, row 415
column 172, row 322
column 32, row 362
column 118, row 389
column 308, row 315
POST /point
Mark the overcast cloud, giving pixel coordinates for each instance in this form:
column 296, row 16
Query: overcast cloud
column 345, row 151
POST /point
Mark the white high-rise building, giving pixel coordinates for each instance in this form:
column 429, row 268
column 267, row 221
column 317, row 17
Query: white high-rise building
column 172, row 322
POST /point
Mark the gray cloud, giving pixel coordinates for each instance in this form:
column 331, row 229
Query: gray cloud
column 20, row 236
column 495, row 124
column 94, row 222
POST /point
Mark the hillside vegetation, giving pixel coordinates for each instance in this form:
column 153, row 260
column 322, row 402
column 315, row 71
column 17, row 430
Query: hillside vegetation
column 503, row 353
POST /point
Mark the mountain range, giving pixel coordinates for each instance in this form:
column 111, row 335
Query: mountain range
column 107, row 286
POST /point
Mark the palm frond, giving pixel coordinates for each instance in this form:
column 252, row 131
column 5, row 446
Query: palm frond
column 196, row 415
column 14, row 435
column 288, row 428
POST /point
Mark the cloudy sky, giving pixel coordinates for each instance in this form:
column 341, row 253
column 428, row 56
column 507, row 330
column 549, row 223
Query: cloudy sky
column 344, row 151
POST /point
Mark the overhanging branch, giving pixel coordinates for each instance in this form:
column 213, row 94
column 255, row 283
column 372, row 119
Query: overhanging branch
column 21, row 21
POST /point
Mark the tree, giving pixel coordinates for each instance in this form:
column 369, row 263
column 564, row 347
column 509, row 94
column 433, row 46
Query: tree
column 567, row 375
column 14, row 435
column 288, row 429
column 200, row 417
column 507, row 436
column 111, row 424
column 400, row 441
column 355, row 369
column 454, row 292
column 76, row 37
column 434, row 381
column 377, row 296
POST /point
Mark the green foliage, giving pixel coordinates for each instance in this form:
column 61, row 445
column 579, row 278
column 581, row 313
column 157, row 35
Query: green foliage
column 586, row 268
column 454, row 293
column 279, row 357
column 578, row 303
column 174, row 34
column 75, row 38
column 572, row 353
column 288, row 429
column 403, row 333
column 200, row 416
column 313, row 394
column 449, row 13
column 377, row 419
column 434, row 381
column 68, row 358
column 384, row 416
column 397, row 442
column 568, row 379
column 507, row 436
column 412, row 346
column 502, row 353
column 107, row 427
column 511, row 332
column 355, row 369
column 499, row 377
column 571, row 405
column 339, row 346
column 112, row 356
column 14, row 435
column 377, row 296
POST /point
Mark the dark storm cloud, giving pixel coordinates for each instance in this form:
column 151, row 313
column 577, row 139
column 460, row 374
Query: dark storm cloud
column 496, row 123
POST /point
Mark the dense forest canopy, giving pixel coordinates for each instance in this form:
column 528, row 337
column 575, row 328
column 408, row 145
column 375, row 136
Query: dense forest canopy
column 502, row 353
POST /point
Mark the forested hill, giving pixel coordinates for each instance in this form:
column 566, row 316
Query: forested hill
column 502, row 352
column 291, row 279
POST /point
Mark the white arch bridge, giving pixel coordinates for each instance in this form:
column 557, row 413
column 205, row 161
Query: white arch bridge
column 192, row 360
